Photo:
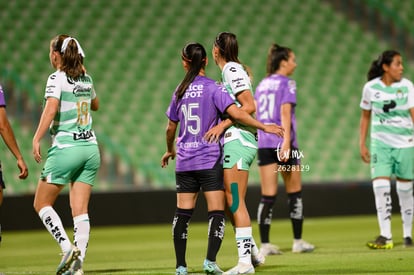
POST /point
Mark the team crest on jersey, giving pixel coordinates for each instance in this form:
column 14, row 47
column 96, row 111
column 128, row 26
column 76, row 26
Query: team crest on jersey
column 399, row 94
column 292, row 86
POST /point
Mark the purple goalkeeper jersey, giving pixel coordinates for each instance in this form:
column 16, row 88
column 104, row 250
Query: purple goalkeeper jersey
column 2, row 100
column 197, row 111
column 271, row 93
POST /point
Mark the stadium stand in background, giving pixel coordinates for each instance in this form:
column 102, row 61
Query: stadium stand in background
column 132, row 52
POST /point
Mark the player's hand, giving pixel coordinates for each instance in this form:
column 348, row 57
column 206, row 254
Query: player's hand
column 166, row 157
column 284, row 152
column 274, row 129
column 36, row 151
column 24, row 172
column 214, row 134
column 365, row 155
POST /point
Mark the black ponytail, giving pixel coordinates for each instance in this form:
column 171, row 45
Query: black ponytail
column 195, row 55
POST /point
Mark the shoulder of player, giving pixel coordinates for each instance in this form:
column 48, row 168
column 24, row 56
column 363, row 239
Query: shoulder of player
column 406, row 82
column 208, row 83
column 232, row 67
column 56, row 75
column 286, row 80
column 282, row 80
column 372, row 82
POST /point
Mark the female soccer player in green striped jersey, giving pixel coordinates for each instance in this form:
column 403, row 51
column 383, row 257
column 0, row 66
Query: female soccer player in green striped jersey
column 240, row 148
column 73, row 159
column 388, row 108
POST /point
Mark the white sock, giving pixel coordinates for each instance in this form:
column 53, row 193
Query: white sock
column 255, row 249
column 53, row 224
column 405, row 197
column 382, row 192
column 81, row 230
column 244, row 244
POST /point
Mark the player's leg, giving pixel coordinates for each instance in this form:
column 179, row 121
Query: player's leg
column 268, row 183
column 216, row 225
column 45, row 197
column 79, row 200
column 405, row 198
column 382, row 194
column 86, row 162
column 236, row 187
column 187, row 192
column 236, row 163
column 182, row 217
column 80, row 192
column 381, row 171
column 212, row 185
column 405, row 175
column 292, row 178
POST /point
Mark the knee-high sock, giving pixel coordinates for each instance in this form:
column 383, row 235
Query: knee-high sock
column 296, row 213
column 264, row 217
column 255, row 249
column 216, row 225
column 405, row 197
column 382, row 193
column 81, row 233
column 180, row 233
column 244, row 244
column 53, row 224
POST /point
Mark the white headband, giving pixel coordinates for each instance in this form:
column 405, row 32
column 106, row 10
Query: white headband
column 66, row 42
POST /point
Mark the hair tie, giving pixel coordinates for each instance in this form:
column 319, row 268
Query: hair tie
column 186, row 59
column 65, row 45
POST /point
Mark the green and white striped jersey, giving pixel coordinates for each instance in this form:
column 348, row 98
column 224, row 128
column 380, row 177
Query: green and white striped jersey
column 236, row 80
column 391, row 122
column 72, row 125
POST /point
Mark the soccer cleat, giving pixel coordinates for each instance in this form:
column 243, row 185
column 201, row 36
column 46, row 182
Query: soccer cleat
column 67, row 260
column 240, row 268
column 76, row 268
column 269, row 249
column 381, row 243
column 181, row 270
column 258, row 259
column 301, row 246
column 211, row 268
column 408, row 242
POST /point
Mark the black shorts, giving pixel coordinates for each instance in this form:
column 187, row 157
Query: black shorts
column 205, row 180
column 1, row 178
column 267, row 156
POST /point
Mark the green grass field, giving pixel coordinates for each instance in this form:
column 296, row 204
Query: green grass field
column 147, row 249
